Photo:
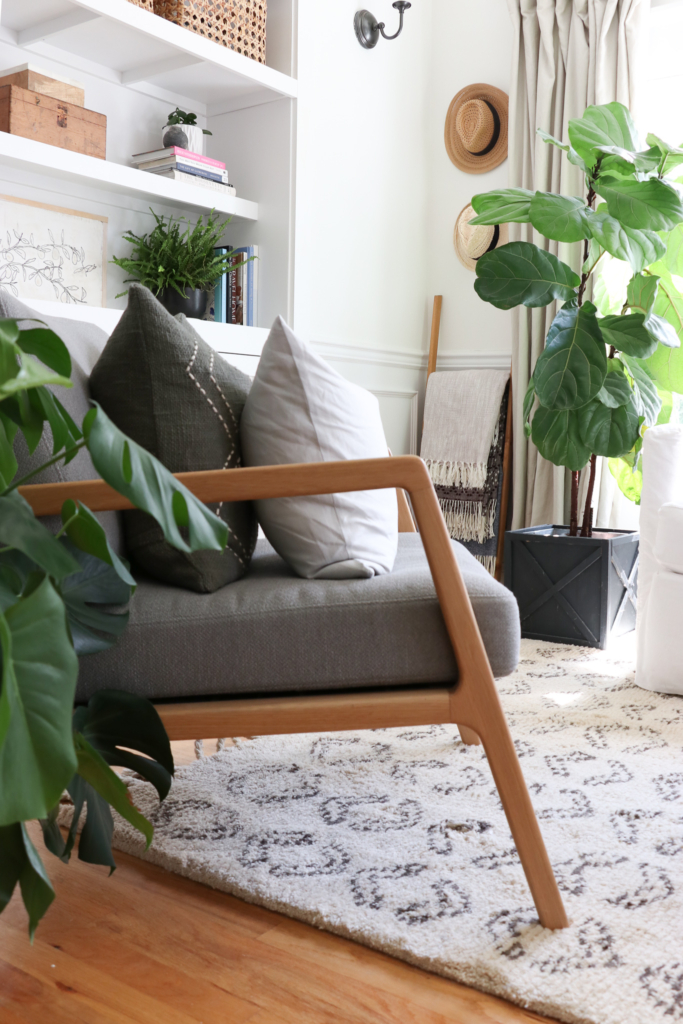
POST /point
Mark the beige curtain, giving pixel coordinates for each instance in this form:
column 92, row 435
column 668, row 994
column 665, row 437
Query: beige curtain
column 568, row 54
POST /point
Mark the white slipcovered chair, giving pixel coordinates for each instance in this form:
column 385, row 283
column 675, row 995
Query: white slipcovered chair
column 660, row 577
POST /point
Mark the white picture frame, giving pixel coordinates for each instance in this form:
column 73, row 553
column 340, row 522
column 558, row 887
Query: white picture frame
column 49, row 252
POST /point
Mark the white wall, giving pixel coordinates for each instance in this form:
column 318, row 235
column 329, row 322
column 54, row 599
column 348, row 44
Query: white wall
column 471, row 42
column 362, row 178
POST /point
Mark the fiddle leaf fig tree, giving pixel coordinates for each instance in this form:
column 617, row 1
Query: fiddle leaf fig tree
column 608, row 367
column 56, row 598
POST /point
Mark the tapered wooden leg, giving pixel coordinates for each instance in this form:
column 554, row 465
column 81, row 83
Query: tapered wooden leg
column 514, row 795
column 469, row 736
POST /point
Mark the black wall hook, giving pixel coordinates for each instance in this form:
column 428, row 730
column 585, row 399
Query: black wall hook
column 368, row 28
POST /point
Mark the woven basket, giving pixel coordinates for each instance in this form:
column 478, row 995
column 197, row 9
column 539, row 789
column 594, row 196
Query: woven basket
column 238, row 24
column 147, row 4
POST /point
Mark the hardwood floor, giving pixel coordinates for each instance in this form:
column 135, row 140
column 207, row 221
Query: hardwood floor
column 148, row 947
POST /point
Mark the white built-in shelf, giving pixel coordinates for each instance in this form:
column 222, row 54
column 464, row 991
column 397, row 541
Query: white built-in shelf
column 29, row 155
column 122, row 43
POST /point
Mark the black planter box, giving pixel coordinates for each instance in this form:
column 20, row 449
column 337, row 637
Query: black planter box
column 573, row 590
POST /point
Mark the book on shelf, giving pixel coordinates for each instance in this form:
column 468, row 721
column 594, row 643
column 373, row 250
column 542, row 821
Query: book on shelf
column 177, row 165
column 194, row 179
column 175, row 151
column 244, row 307
column 218, row 304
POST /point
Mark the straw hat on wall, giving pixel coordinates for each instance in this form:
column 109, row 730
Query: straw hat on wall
column 471, row 242
column 476, row 132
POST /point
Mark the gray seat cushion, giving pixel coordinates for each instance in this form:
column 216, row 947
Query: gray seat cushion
column 272, row 631
column 85, row 343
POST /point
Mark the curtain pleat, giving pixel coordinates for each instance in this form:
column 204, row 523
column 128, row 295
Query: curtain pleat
column 568, row 54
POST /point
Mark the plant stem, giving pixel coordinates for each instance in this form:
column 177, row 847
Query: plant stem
column 590, row 199
column 50, row 462
column 66, row 525
column 587, row 524
column 574, row 514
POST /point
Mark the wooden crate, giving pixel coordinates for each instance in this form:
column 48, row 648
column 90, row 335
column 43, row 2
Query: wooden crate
column 27, row 78
column 34, row 115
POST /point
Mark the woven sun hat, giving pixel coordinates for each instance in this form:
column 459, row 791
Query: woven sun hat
column 471, row 241
column 476, row 132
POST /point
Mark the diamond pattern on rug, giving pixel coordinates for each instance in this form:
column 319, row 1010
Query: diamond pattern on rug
column 396, row 838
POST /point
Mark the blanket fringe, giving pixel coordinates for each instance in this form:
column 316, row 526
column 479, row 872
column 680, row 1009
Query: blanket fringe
column 488, row 561
column 467, row 520
column 457, row 474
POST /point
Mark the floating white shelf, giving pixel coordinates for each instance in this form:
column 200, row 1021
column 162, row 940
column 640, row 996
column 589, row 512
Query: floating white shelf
column 38, row 157
column 131, row 46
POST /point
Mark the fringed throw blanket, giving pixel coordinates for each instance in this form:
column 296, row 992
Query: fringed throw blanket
column 462, row 444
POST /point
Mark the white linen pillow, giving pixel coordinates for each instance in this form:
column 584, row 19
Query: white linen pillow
column 301, row 410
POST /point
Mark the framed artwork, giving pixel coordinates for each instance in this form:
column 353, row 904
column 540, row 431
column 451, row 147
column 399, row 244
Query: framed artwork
column 47, row 252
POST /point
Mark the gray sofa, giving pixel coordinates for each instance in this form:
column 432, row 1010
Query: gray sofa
column 272, row 631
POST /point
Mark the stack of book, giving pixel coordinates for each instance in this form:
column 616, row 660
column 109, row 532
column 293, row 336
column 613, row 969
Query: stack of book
column 182, row 165
column 235, row 295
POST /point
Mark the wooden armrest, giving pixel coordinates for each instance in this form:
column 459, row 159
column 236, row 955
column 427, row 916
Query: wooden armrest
column 406, row 471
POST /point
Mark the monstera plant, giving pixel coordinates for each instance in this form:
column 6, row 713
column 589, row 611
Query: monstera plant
column 56, row 595
column 610, row 364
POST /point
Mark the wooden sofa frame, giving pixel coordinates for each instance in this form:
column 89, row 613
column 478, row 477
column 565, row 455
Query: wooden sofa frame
column 472, row 703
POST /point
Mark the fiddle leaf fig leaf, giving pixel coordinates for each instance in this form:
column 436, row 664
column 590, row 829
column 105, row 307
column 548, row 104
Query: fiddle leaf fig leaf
column 556, row 435
column 502, row 206
column 672, row 156
column 642, row 292
column 652, row 205
column 520, row 273
column 628, row 334
column 571, row 370
column 607, row 125
column 39, row 675
column 662, row 331
column 141, row 478
column 616, row 390
column 639, row 247
column 646, row 398
column 563, row 218
column 608, row 431
column 572, row 155
column 626, row 162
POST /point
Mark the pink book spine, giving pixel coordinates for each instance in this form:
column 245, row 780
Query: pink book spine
column 198, row 157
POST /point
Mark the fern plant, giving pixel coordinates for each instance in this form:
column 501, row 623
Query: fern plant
column 173, row 257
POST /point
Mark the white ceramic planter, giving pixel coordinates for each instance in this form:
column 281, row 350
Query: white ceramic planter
column 195, row 138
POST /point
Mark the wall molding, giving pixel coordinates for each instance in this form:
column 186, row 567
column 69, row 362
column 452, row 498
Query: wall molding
column 412, row 397
column 411, row 361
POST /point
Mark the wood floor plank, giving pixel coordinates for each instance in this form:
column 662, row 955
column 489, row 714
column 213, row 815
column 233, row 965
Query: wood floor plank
column 357, row 963
column 148, row 947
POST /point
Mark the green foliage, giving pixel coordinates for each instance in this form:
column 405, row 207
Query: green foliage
column 179, row 116
column 607, row 369
column 60, row 598
column 173, row 256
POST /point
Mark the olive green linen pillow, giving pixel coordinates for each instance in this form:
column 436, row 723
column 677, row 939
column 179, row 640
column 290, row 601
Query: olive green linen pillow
column 160, row 383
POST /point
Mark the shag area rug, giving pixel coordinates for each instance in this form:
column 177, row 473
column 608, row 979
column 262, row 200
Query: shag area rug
column 396, row 838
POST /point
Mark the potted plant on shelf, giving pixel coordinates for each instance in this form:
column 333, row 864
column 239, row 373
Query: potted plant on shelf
column 598, row 383
column 179, row 265
column 185, row 124
column 56, row 598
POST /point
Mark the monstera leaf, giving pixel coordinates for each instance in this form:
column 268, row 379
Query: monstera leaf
column 563, row 218
column 603, row 126
column 556, row 435
column 20, row 529
column 502, row 206
column 39, row 675
column 137, row 475
column 20, row 864
column 520, row 273
column 90, row 596
column 637, row 247
column 608, row 431
column 571, row 369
